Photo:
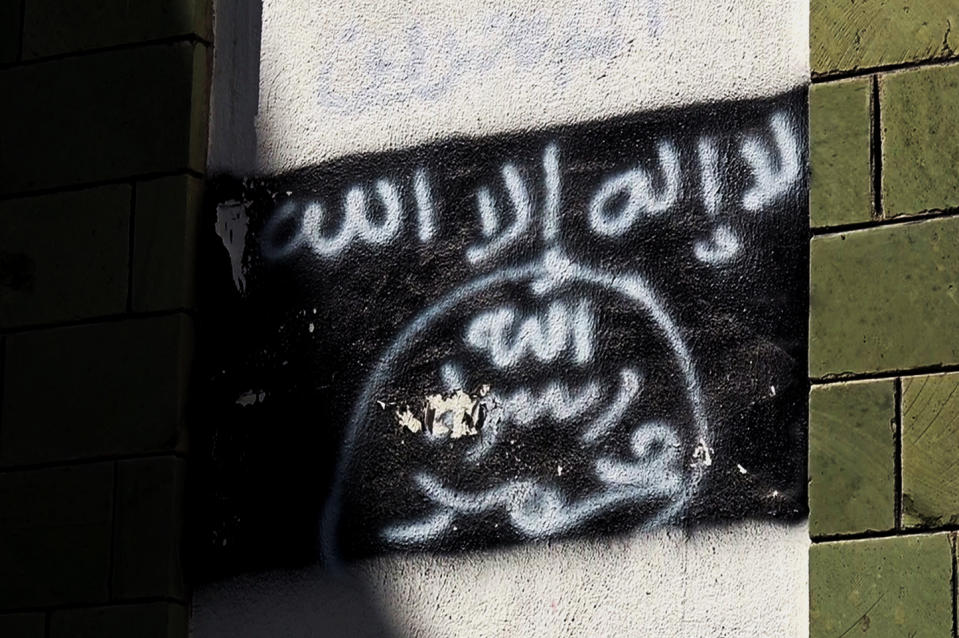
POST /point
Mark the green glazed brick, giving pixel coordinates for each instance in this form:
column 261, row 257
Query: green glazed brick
column 884, row 298
column 164, row 252
column 920, row 148
column 53, row 27
column 153, row 620
column 9, row 32
column 103, row 117
column 23, row 625
column 95, row 390
column 64, row 256
column 55, row 530
column 930, row 455
column 881, row 587
column 852, row 458
column 846, row 35
column 840, row 132
column 147, row 558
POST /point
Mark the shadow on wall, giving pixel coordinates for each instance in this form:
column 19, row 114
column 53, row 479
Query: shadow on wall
column 746, row 580
column 289, row 603
column 235, row 92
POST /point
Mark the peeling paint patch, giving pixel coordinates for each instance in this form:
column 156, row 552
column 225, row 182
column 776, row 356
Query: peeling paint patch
column 453, row 414
column 407, row 420
column 232, row 222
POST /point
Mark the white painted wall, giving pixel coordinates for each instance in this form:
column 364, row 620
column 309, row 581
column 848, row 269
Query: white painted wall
column 348, row 76
column 746, row 581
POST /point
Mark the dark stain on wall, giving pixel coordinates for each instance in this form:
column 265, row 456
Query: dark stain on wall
column 585, row 330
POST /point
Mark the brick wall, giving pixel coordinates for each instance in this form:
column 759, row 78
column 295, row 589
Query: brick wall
column 884, row 318
column 102, row 152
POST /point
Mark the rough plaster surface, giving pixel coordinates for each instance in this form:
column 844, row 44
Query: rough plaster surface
column 744, row 581
column 351, row 76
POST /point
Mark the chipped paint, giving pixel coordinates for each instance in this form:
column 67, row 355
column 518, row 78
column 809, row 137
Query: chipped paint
column 702, row 455
column 232, row 222
column 408, row 421
column 250, row 398
column 454, row 414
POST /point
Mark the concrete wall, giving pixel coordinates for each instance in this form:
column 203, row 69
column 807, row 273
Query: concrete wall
column 350, row 79
column 882, row 347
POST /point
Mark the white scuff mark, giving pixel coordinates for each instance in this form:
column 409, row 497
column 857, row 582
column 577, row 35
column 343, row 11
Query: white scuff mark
column 232, row 223
column 772, row 390
column 702, row 455
column 251, row 397
column 559, row 470
column 742, row 470
column 381, row 404
column 247, row 398
column 312, row 327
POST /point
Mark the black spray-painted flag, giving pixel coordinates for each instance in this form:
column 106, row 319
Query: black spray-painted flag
column 582, row 330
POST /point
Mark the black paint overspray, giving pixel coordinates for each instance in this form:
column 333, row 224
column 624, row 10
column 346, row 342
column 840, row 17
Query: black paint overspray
column 659, row 258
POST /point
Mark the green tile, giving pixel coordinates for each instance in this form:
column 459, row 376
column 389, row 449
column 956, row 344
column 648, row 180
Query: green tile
column 64, row 256
column 147, row 559
column 153, row 620
column 53, row 27
column 23, row 625
column 840, row 132
column 930, row 454
column 164, row 253
column 93, row 390
column 55, row 530
column 885, row 298
column 103, row 117
column 881, row 587
column 9, row 31
column 852, row 458
column 845, row 35
column 920, row 148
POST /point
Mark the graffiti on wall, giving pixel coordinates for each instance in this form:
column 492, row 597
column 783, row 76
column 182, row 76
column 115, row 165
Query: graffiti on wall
column 584, row 330
column 436, row 62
